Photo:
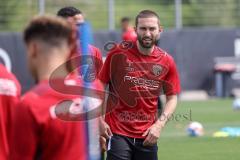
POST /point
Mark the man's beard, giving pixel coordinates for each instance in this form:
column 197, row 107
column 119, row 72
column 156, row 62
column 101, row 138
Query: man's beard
column 149, row 44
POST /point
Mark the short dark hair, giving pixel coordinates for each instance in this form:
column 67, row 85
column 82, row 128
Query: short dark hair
column 49, row 29
column 125, row 19
column 68, row 12
column 146, row 14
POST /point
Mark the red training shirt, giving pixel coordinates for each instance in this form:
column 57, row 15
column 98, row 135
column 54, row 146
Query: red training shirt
column 96, row 58
column 129, row 35
column 37, row 132
column 135, row 81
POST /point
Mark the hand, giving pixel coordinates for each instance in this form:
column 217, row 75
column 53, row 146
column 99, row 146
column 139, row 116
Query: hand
column 152, row 133
column 105, row 130
column 103, row 144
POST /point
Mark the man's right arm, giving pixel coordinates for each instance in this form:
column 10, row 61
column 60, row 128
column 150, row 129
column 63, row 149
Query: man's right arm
column 105, row 78
column 105, row 130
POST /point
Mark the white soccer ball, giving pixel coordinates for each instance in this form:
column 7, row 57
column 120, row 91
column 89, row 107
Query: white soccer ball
column 236, row 104
column 195, row 129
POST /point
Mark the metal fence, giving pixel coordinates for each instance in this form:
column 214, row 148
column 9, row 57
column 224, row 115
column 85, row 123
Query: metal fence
column 105, row 14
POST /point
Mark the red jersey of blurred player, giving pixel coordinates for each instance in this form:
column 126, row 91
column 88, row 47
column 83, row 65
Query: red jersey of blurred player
column 37, row 131
column 75, row 17
column 10, row 91
column 128, row 32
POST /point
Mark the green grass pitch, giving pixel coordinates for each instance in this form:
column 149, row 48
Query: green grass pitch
column 174, row 144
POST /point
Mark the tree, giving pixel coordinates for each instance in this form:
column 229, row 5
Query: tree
column 7, row 11
column 211, row 13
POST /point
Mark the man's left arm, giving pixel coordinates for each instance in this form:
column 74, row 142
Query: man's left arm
column 171, row 87
column 153, row 133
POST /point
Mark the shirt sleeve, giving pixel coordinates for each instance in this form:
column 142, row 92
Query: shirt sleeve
column 7, row 105
column 10, row 90
column 105, row 72
column 99, row 55
column 99, row 63
column 171, row 84
column 24, row 133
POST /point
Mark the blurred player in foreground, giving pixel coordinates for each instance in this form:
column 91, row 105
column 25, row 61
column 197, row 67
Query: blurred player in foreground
column 37, row 132
column 137, row 75
column 10, row 91
column 128, row 32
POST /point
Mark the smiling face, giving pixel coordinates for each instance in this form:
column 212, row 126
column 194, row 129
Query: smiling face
column 148, row 31
column 76, row 19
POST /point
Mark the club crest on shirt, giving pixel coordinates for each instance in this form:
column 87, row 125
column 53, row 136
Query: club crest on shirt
column 157, row 70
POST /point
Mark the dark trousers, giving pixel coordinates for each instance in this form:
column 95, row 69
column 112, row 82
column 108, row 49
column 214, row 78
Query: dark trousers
column 126, row 148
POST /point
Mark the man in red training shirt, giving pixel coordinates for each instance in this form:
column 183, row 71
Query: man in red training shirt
column 37, row 132
column 10, row 91
column 128, row 32
column 136, row 77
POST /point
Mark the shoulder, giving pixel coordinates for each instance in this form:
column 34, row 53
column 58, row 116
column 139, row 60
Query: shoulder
column 125, row 47
column 36, row 103
column 9, row 84
column 29, row 98
column 129, row 35
column 35, row 95
column 164, row 54
column 4, row 73
column 94, row 49
column 116, row 49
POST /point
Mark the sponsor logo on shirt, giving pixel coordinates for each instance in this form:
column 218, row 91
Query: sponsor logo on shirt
column 8, row 87
column 142, row 82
